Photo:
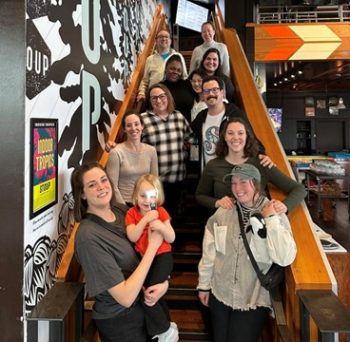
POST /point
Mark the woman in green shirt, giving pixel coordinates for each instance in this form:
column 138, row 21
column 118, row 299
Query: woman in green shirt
column 237, row 145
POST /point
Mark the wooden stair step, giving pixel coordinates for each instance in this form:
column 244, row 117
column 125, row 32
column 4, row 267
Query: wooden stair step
column 187, row 246
column 186, row 280
column 191, row 325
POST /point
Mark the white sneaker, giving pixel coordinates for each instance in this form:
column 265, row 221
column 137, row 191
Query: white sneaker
column 171, row 335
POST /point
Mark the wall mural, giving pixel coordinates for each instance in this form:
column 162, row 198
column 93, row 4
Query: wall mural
column 80, row 57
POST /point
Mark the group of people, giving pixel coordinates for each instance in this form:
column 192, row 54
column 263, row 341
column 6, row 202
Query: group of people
column 125, row 212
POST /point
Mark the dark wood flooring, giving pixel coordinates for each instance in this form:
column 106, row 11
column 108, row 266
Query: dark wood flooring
column 334, row 220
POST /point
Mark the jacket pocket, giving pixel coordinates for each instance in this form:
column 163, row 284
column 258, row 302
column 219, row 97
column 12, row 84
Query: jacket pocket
column 220, row 238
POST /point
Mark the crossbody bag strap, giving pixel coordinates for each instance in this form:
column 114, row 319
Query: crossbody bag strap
column 246, row 245
column 275, row 294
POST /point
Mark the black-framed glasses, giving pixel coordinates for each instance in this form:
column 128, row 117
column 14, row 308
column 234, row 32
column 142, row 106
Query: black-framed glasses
column 160, row 97
column 211, row 90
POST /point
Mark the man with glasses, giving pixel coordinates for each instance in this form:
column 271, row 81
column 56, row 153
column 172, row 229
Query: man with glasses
column 208, row 122
column 155, row 63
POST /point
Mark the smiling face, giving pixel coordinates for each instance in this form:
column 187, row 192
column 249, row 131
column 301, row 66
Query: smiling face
column 211, row 63
column 97, row 189
column 208, row 33
column 173, row 71
column 133, row 127
column 236, row 137
column 243, row 190
column 212, row 94
column 146, row 196
column 159, row 101
column 163, row 41
column 196, row 82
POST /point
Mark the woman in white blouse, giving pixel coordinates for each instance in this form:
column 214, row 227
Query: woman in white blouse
column 130, row 159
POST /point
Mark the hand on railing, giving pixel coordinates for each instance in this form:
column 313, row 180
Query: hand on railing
column 140, row 105
column 109, row 145
column 140, row 97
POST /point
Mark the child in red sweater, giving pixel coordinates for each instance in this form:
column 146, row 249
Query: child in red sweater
column 147, row 214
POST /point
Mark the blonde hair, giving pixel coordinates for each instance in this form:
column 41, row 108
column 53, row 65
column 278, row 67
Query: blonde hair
column 155, row 182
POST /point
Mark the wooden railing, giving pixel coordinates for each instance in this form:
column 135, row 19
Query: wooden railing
column 311, row 269
column 69, row 269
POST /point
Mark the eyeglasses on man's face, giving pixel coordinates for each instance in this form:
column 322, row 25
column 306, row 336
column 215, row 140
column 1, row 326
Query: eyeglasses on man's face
column 160, row 97
column 214, row 90
column 163, row 37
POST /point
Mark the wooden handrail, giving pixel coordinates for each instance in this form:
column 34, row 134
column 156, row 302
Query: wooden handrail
column 69, row 269
column 311, row 269
column 129, row 99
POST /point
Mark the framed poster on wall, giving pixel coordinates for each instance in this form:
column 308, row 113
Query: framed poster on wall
column 43, row 164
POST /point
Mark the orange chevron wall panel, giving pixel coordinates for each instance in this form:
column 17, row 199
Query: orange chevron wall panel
column 281, row 42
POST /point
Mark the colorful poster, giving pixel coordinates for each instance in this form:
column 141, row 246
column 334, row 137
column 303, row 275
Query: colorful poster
column 44, row 161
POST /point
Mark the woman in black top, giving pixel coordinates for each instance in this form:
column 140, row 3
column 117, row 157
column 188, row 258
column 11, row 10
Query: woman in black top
column 180, row 89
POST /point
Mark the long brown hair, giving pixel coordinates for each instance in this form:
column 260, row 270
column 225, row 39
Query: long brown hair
column 251, row 147
column 77, row 184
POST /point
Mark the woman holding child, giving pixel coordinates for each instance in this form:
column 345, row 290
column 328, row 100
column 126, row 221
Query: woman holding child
column 114, row 274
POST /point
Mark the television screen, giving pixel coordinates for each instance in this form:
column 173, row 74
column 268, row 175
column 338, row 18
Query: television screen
column 276, row 117
column 190, row 15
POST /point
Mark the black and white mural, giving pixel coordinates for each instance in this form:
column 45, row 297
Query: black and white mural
column 80, row 58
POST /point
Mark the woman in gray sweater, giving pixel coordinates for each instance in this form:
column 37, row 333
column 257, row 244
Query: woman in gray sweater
column 130, row 159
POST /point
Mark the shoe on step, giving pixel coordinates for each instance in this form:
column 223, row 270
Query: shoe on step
column 171, row 335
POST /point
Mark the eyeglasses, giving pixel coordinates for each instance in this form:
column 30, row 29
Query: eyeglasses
column 161, row 97
column 163, row 37
column 211, row 90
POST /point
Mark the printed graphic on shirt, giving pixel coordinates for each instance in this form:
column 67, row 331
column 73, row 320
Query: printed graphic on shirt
column 211, row 135
column 211, row 138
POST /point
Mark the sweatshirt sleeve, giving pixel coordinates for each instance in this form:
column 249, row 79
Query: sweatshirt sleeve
column 113, row 169
column 278, row 246
column 225, row 63
column 280, row 242
column 205, row 189
column 206, row 264
column 194, row 64
column 295, row 191
column 145, row 79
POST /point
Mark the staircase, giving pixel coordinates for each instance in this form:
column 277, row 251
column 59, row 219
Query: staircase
column 185, row 308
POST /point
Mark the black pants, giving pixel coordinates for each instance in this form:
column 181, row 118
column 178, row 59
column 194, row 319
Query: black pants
column 128, row 326
column 157, row 316
column 235, row 325
column 172, row 192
